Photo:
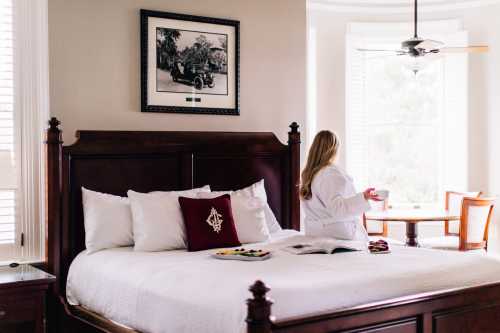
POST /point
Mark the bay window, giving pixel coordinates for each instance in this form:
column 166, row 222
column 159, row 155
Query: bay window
column 406, row 118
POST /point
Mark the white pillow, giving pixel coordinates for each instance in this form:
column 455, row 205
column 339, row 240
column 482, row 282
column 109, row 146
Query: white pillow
column 248, row 214
column 258, row 190
column 157, row 219
column 107, row 220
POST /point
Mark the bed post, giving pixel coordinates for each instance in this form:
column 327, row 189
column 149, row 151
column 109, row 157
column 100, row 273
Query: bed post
column 259, row 309
column 294, row 147
column 54, row 182
column 53, row 221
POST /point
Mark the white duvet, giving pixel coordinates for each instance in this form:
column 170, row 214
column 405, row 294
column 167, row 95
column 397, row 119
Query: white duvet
column 178, row 291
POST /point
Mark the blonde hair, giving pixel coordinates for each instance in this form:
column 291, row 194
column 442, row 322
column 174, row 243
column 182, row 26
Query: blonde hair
column 323, row 150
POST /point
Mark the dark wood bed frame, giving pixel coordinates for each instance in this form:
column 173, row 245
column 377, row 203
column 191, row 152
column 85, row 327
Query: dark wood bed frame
column 116, row 161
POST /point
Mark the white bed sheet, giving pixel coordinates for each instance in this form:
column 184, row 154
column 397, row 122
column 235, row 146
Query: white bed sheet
column 178, row 291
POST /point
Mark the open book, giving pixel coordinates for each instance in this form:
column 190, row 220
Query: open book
column 330, row 246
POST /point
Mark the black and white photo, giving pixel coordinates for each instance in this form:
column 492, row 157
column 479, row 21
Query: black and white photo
column 187, row 59
column 189, row 64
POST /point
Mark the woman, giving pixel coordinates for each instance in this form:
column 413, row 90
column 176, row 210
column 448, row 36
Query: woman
column 332, row 206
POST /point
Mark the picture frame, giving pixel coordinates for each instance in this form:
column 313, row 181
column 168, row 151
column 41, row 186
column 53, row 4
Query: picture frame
column 189, row 64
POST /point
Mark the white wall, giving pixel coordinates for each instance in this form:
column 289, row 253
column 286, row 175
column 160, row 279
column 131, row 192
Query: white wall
column 483, row 26
column 491, row 70
column 94, row 65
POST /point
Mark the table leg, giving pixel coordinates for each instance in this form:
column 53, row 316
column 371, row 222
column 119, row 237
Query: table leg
column 411, row 234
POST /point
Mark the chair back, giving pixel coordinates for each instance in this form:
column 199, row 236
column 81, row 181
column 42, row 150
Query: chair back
column 377, row 228
column 474, row 223
column 453, row 205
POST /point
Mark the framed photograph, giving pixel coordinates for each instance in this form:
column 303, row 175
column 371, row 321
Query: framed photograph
column 189, row 64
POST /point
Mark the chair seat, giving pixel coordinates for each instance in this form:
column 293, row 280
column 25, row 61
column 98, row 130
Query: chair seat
column 441, row 243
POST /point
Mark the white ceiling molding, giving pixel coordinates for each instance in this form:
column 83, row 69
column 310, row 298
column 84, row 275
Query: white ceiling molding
column 395, row 6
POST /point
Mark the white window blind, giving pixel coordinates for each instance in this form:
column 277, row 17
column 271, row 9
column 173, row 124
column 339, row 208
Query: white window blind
column 8, row 174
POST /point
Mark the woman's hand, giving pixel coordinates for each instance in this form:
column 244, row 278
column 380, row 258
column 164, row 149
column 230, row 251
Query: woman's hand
column 370, row 194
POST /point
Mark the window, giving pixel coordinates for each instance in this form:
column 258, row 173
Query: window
column 406, row 129
column 23, row 110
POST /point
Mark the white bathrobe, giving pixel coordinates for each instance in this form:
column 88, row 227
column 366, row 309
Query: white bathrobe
column 335, row 209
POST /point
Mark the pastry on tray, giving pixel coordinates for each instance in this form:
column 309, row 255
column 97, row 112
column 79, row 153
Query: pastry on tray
column 379, row 247
column 242, row 254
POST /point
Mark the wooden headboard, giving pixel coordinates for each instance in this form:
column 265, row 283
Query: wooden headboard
column 116, row 161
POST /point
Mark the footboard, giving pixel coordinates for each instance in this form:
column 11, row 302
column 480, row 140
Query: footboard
column 465, row 310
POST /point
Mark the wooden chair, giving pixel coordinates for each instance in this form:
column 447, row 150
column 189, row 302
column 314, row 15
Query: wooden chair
column 453, row 204
column 377, row 228
column 473, row 227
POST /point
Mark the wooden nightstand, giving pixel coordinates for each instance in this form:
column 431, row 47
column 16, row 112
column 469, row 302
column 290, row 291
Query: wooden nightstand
column 22, row 299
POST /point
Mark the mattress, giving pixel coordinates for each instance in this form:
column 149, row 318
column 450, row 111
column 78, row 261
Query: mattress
column 179, row 291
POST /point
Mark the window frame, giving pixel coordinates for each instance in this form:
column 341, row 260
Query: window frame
column 31, row 111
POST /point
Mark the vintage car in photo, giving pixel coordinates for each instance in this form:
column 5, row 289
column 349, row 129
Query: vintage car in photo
column 197, row 75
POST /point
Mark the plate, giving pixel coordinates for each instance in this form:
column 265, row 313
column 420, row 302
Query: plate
column 240, row 257
column 381, row 252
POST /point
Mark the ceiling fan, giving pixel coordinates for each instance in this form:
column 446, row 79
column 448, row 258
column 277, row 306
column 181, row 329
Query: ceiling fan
column 418, row 47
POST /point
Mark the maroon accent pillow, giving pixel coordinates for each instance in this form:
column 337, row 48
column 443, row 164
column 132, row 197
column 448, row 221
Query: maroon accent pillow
column 209, row 223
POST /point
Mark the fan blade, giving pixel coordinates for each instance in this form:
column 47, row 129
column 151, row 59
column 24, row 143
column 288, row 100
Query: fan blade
column 429, row 44
column 434, row 56
column 467, row 49
column 380, row 50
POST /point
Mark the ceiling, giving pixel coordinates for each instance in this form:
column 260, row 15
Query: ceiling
column 396, row 6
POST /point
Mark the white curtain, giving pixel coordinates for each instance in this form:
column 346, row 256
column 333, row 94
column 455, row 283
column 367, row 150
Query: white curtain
column 31, row 111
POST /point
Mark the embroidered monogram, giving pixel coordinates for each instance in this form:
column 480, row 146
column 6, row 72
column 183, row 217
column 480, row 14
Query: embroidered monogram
column 215, row 220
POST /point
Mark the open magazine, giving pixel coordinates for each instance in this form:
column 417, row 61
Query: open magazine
column 329, row 246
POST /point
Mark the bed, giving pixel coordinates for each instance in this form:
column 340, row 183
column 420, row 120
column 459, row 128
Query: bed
column 412, row 290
